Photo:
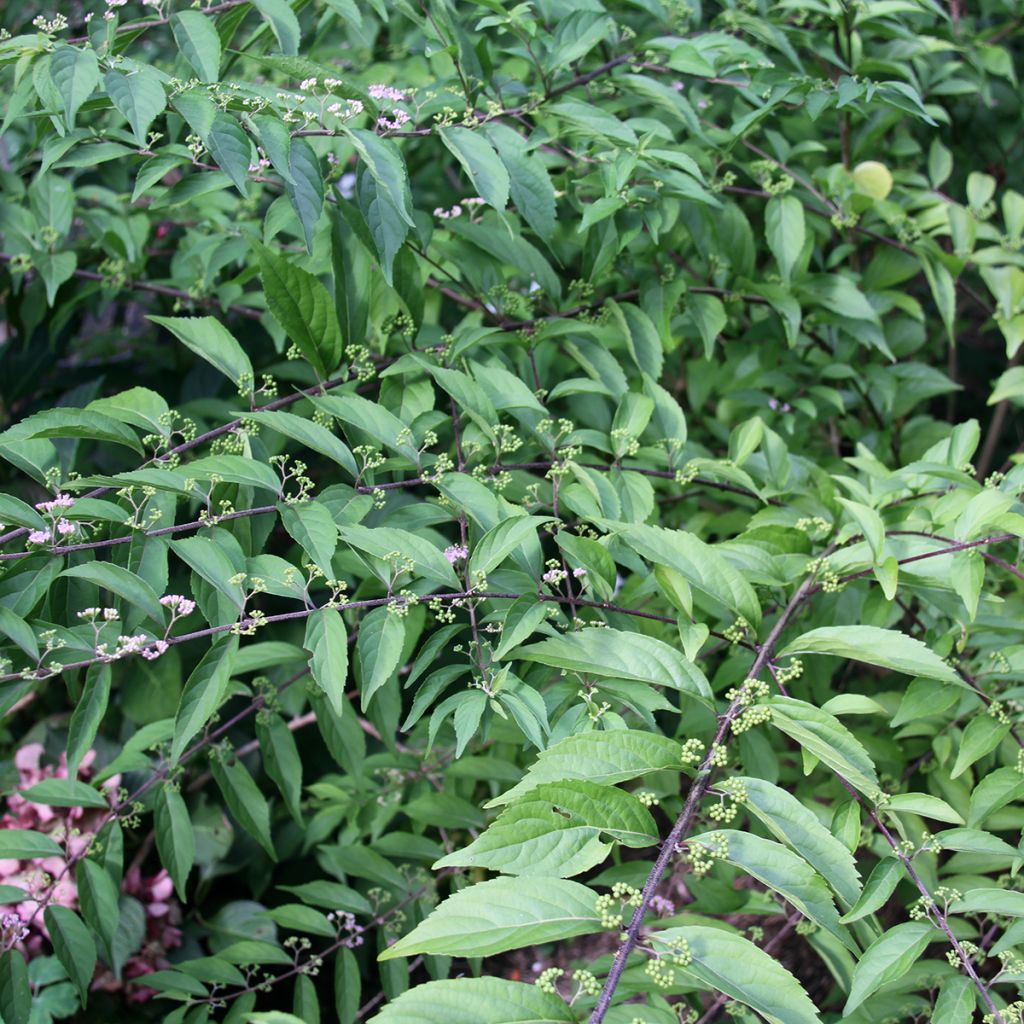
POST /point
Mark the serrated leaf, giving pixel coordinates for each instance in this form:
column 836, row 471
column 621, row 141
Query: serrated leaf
column 787, row 873
column 118, row 580
column 245, row 801
column 785, row 231
column 281, row 760
column 523, row 618
column 230, row 147
column 175, row 837
column 879, row 887
column 65, row 792
column 481, row 1000
column 886, row 648
column 15, row 991
column 210, row 340
column 75, row 72
column 481, row 163
column 558, row 830
column 763, row 984
column 823, row 736
column 887, row 959
column 602, row 757
column 313, row 435
column 139, row 96
column 198, row 41
column 305, row 187
column 68, row 422
column 88, row 714
column 926, row 805
column 529, row 182
column 497, row 544
column 956, row 1002
column 313, row 528
column 285, row 26
column 304, row 308
column 619, row 654
column 73, row 945
column 24, row 844
column 203, row 694
column 428, row 561
column 705, row 568
column 379, row 650
column 98, row 901
column 501, row 914
column 327, row 642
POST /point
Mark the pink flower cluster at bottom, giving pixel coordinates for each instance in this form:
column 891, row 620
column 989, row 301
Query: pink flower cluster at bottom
column 45, row 880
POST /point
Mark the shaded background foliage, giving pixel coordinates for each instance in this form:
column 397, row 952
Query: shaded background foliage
column 465, row 410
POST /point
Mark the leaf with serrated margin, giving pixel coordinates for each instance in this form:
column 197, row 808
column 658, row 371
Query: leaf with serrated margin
column 199, row 43
column 203, row 693
column 887, row 959
column 501, row 914
column 480, row 1000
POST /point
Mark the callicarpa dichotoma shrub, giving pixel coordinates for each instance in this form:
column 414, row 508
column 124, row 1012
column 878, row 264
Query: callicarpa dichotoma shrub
column 511, row 511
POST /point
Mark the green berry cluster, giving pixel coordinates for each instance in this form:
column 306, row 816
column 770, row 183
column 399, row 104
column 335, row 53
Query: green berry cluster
column 693, row 751
column 610, row 905
column 702, row 856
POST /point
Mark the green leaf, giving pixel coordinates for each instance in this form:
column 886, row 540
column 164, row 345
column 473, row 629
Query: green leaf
column 76, row 73
column 230, row 147
column 785, row 231
column 305, row 187
column 54, row 268
column 785, row 872
column 481, row 163
column 314, row 436
column 24, row 844
column 602, row 757
column 304, row 308
column 247, row 804
column 997, row 789
column 203, row 694
column 428, row 562
column 501, row 914
column 522, row 620
column 88, row 714
column 559, row 830
column 139, row 96
column 704, row 568
column 879, row 887
column 212, row 341
column 763, row 984
column 281, row 760
column 65, row 793
column 67, row 422
column 709, row 317
column 285, row 26
column 983, row 734
column 73, row 945
column 175, row 837
column 799, row 827
column 198, row 41
column 383, row 160
column 348, row 987
column 98, row 901
column 327, row 642
column 823, row 736
column 530, row 184
column 313, row 528
column 617, row 654
column 496, row 545
column 352, row 268
column 956, row 1001
column 887, row 959
column 384, row 220
column 480, row 1000
column 1009, row 386
column 998, row 902
column 118, row 580
column 15, row 992
column 379, row 650
column 886, row 648
column 924, row 804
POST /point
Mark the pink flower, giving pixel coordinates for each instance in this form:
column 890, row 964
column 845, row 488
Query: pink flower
column 39, row 537
column 456, row 553
column 386, row 92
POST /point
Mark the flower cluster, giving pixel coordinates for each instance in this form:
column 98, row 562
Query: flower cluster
column 456, row 553
column 59, row 526
column 46, row 880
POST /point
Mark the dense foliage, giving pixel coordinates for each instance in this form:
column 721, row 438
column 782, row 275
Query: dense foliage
column 505, row 512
